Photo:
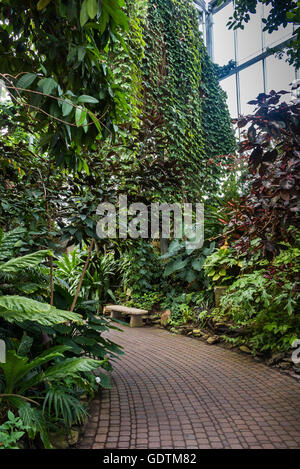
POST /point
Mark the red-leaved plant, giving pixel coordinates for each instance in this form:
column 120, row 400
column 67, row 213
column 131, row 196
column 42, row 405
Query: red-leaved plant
column 270, row 208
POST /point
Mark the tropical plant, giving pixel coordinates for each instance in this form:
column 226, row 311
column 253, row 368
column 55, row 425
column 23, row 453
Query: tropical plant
column 223, row 266
column 11, row 432
column 186, row 263
column 140, row 269
column 266, row 300
column 270, row 207
column 24, row 383
column 44, row 87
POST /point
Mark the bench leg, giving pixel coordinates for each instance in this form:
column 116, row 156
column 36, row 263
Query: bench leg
column 136, row 321
column 115, row 315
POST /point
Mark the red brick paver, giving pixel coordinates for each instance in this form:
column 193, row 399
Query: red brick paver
column 173, row 391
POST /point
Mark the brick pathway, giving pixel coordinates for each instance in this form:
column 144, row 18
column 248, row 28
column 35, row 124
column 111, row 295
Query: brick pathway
column 173, row 391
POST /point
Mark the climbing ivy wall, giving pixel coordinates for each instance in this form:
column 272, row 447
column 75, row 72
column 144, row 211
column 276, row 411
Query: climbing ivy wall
column 186, row 122
column 179, row 121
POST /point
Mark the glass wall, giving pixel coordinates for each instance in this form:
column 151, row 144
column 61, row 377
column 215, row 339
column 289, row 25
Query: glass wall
column 251, row 84
column 256, row 72
column 223, row 38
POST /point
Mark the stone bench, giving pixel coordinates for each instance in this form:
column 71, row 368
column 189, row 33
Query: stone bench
column 136, row 315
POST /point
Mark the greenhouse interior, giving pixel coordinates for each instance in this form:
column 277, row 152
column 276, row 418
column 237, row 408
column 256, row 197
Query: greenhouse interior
column 149, row 227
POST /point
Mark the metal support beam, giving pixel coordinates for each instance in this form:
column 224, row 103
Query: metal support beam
column 201, row 4
column 209, row 22
column 257, row 58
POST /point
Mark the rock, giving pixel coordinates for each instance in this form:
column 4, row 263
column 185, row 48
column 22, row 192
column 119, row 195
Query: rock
column 164, row 317
column 59, row 440
column 185, row 329
column 284, row 365
column 213, row 340
column 277, row 357
column 197, row 332
column 218, row 323
column 245, row 349
column 205, row 336
column 73, row 437
column 156, row 321
column 62, row 440
column 296, row 376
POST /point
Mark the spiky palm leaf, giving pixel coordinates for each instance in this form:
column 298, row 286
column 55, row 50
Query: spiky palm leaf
column 65, row 405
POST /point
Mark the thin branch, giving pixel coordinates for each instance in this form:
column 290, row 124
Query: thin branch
column 22, row 397
column 82, row 275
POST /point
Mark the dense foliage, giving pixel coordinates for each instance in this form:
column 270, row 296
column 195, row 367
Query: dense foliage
column 103, row 98
column 270, row 207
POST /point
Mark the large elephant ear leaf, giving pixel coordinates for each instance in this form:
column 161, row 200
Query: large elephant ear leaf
column 67, row 367
column 71, row 366
column 14, row 369
column 48, row 355
column 20, row 263
column 15, row 308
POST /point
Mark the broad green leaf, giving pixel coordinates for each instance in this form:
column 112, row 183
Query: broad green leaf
column 28, row 288
column 103, row 20
column 42, row 4
column 20, row 263
column 104, row 380
column 15, row 308
column 96, row 122
column 216, row 277
column 67, row 107
column 81, row 53
column 84, row 16
column 92, row 8
column 112, row 8
column 26, row 80
column 71, row 366
column 197, row 264
column 87, row 99
column 190, row 276
column 80, row 115
column 47, row 85
column 86, row 168
column 174, row 266
column 14, row 369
